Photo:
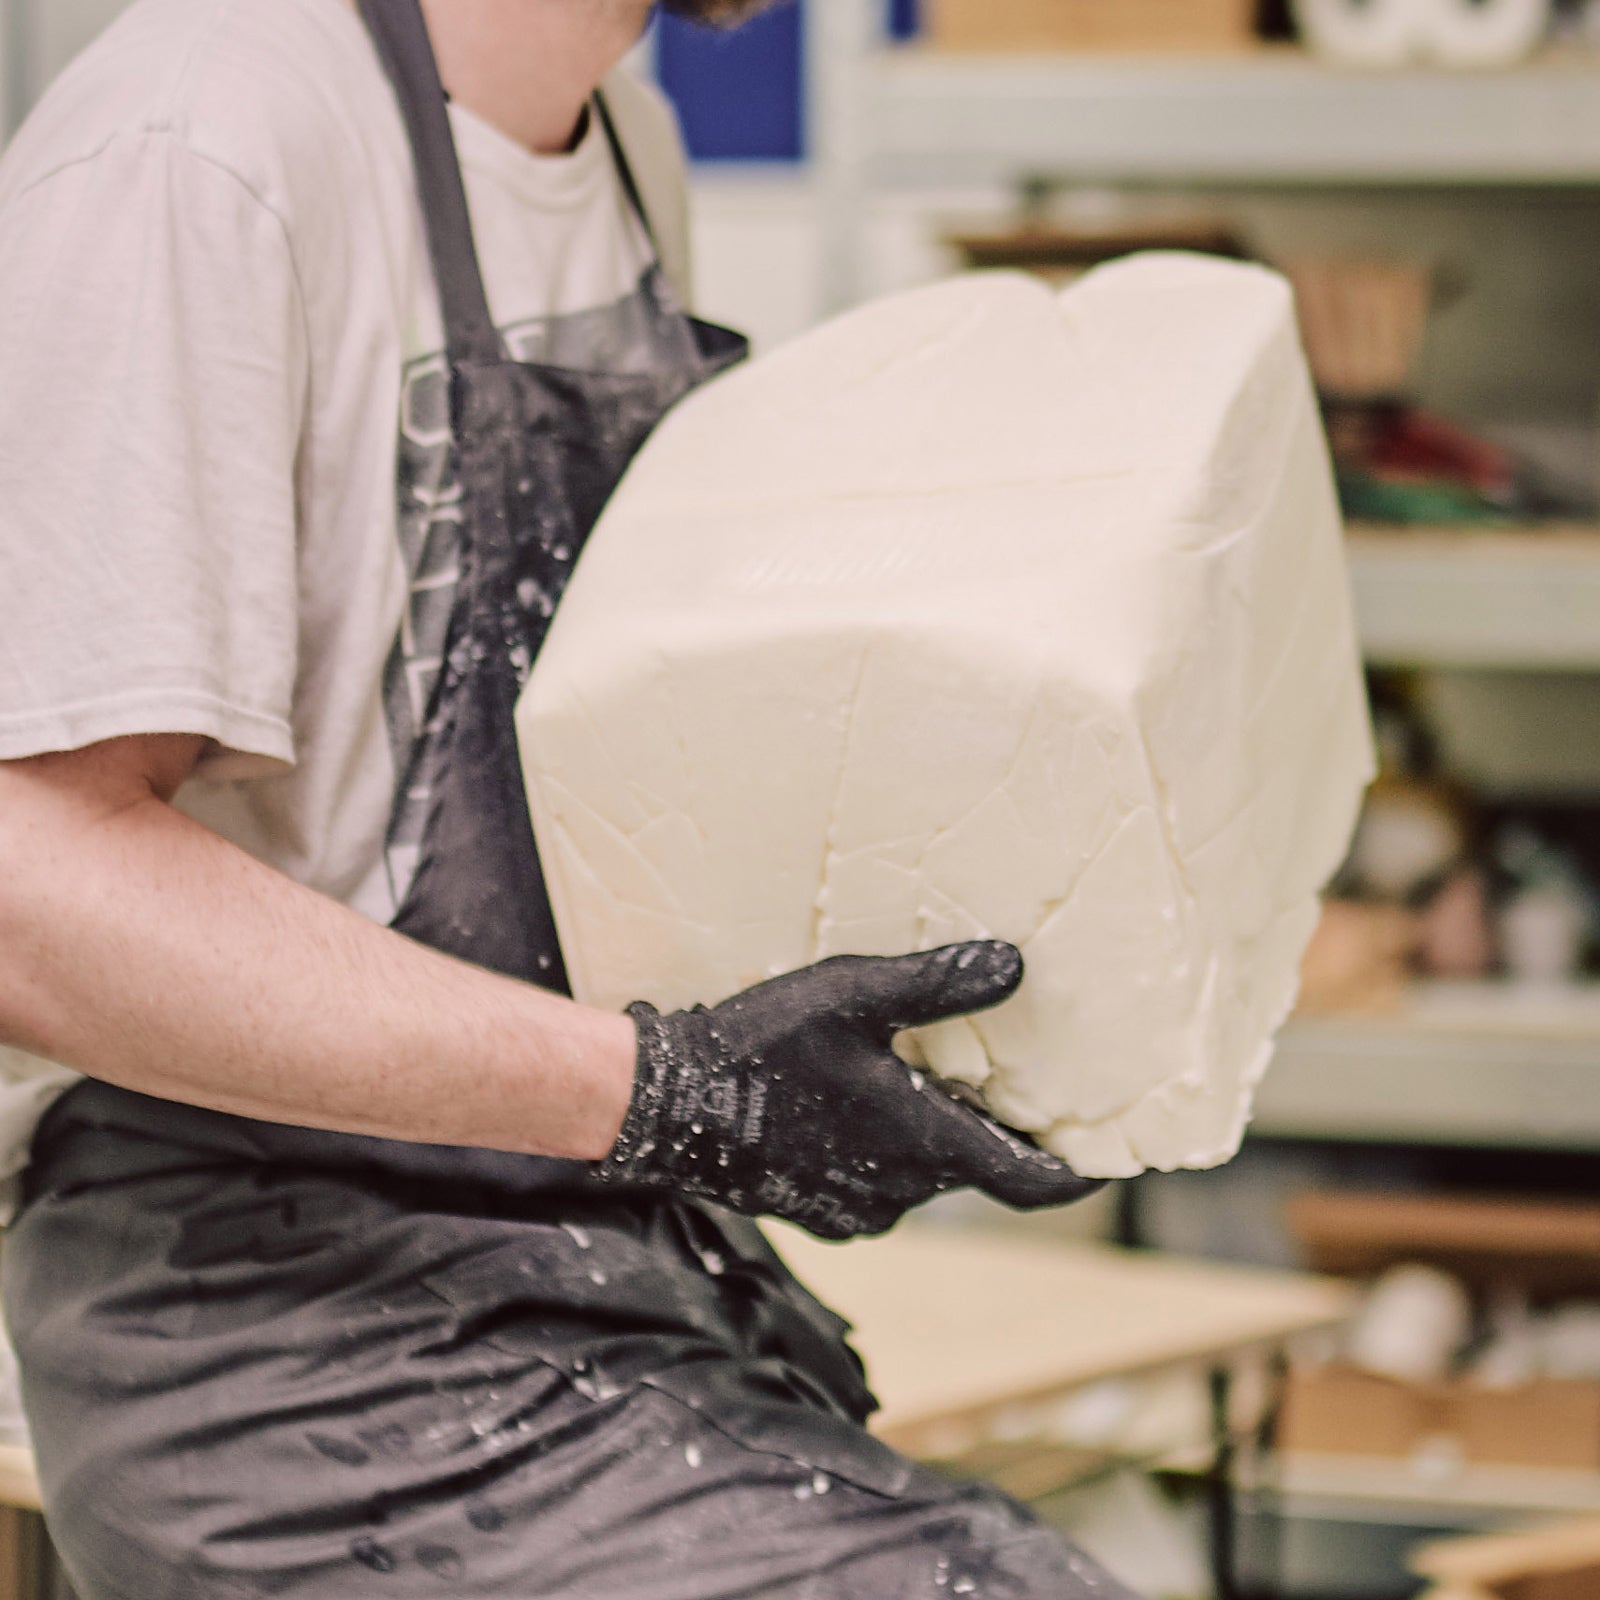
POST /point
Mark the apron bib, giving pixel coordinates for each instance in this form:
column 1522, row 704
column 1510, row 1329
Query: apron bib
column 540, row 450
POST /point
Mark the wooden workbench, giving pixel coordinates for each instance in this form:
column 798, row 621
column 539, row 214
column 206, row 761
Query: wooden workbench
column 19, row 1487
column 958, row 1326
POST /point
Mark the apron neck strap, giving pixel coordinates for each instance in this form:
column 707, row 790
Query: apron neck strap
column 400, row 32
column 630, row 186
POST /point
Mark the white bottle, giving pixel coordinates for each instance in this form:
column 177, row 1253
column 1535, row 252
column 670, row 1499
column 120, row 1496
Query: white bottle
column 1364, row 33
column 1451, row 33
column 1484, row 33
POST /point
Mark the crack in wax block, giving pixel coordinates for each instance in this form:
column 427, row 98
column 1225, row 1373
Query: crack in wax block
column 981, row 611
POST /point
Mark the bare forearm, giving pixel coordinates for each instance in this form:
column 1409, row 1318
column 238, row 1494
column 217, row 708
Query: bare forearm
column 138, row 947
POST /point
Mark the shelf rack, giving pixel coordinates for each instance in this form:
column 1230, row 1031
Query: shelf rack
column 1263, row 116
column 896, row 118
column 1374, row 1489
column 1480, row 1064
column 887, row 117
column 1525, row 600
column 1476, row 1064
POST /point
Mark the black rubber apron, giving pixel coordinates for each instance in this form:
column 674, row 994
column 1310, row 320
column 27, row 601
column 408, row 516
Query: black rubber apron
column 262, row 1361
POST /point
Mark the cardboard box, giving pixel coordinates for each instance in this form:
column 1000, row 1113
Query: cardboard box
column 1547, row 1249
column 1340, row 1410
column 1176, row 25
column 1552, row 1422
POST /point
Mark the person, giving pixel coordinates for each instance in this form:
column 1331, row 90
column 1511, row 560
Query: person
column 352, row 1256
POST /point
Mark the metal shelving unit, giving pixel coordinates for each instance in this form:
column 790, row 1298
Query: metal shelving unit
column 892, row 119
column 1439, row 597
column 1268, row 116
column 888, row 118
column 1481, row 1064
column 1477, row 1064
column 1375, row 1489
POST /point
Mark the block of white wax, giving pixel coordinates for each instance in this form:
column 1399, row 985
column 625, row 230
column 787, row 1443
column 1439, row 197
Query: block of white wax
column 981, row 611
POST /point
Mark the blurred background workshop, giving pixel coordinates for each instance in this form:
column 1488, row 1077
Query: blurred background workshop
column 1362, row 1361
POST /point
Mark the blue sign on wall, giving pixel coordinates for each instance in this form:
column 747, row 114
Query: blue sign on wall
column 740, row 94
column 905, row 18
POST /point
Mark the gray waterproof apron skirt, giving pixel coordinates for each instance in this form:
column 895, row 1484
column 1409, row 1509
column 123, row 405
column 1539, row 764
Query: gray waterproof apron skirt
column 265, row 1361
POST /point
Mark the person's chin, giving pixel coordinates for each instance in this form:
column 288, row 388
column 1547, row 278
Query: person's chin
column 716, row 13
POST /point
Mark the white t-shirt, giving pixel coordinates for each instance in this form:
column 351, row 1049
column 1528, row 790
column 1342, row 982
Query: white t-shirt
column 220, row 344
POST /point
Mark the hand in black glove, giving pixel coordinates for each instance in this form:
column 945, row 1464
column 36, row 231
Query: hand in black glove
column 787, row 1100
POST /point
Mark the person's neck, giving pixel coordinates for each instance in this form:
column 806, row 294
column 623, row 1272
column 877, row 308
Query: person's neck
column 529, row 67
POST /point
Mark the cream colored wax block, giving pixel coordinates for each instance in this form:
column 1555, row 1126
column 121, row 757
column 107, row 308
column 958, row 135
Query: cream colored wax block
column 981, row 611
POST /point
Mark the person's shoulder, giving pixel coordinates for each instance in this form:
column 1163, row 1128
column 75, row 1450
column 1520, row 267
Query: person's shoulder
column 275, row 92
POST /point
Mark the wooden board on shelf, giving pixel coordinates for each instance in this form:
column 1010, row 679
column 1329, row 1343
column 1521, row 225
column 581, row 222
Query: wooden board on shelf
column 1549, row 1244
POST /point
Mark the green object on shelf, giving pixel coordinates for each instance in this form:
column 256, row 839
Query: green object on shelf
column 1434, row 502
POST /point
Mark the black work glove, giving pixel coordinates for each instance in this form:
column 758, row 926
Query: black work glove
column 787, row 1100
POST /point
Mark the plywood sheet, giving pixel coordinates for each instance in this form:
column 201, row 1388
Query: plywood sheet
column 956, row 1324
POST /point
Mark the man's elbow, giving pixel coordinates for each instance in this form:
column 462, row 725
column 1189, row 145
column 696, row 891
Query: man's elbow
column 55, row 869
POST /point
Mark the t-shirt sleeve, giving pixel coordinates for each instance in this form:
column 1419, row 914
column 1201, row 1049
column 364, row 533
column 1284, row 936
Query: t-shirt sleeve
column 153, row 376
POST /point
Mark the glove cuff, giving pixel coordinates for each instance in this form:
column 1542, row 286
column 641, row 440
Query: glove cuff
column 663, row 1132
column 639, row 1135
